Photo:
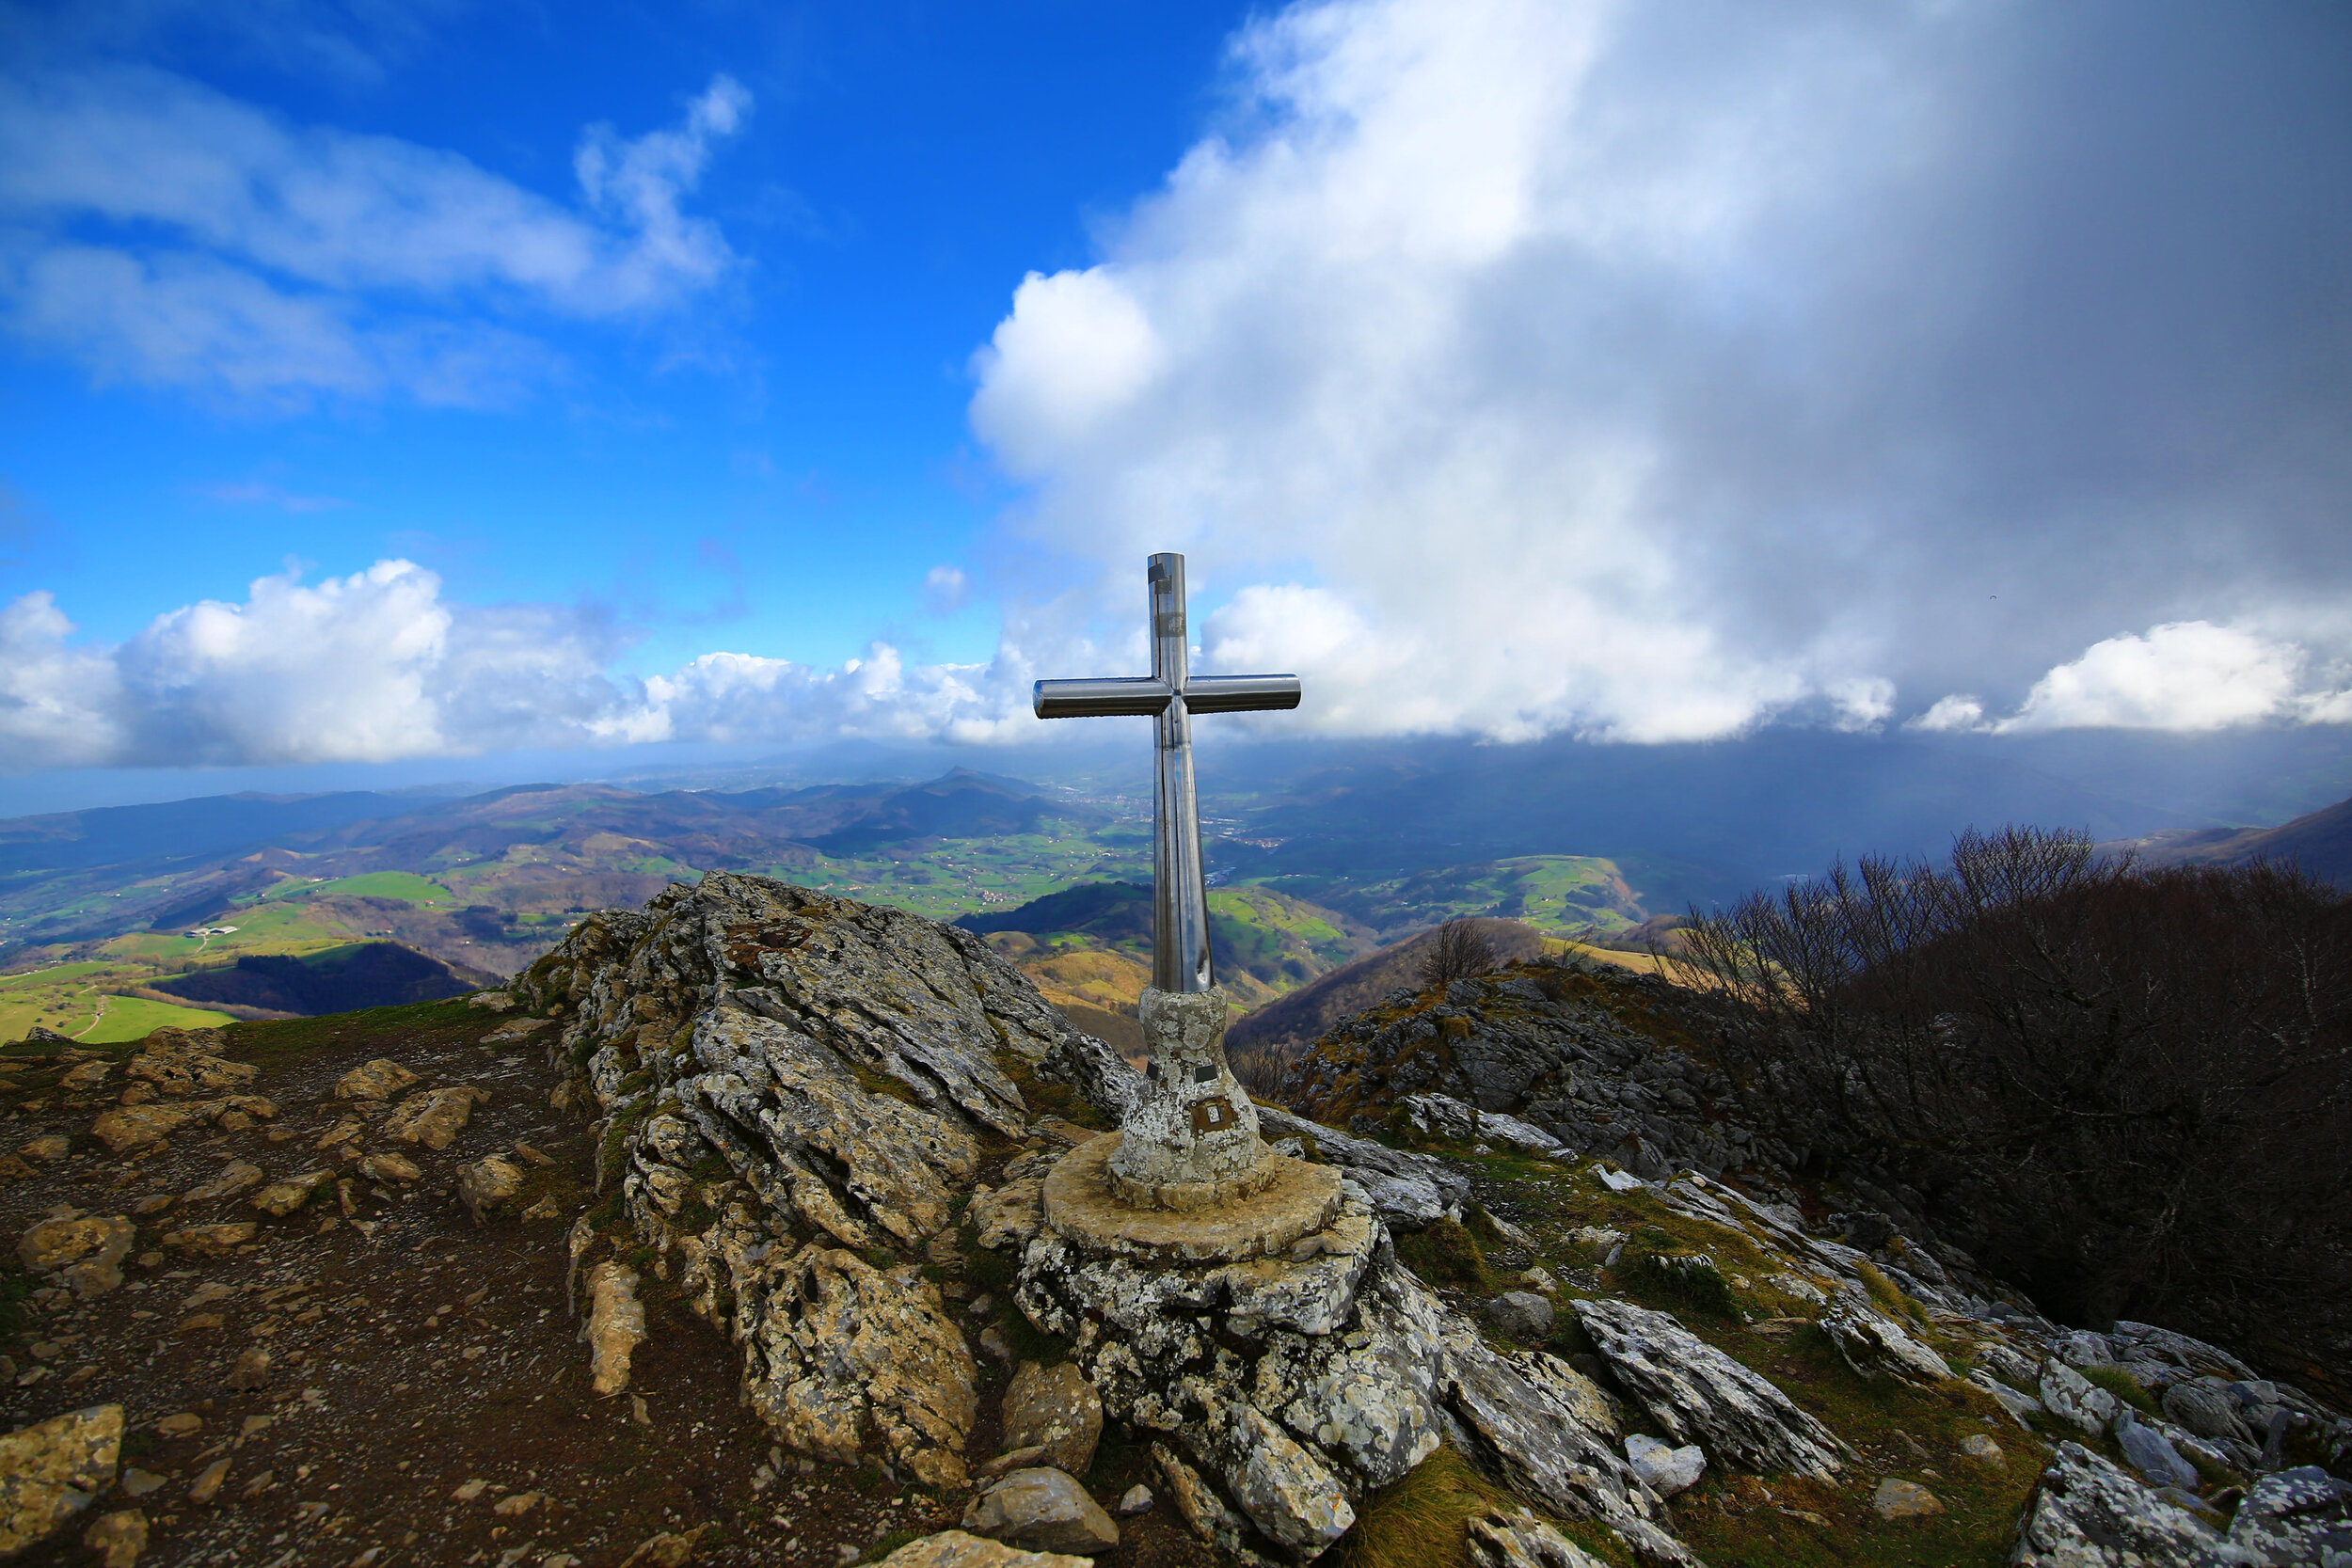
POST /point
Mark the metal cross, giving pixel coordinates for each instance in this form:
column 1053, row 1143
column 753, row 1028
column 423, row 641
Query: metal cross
column 1169, row 694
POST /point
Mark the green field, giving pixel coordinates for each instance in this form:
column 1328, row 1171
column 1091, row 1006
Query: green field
column 403, row 885
column 69, row 998
column 132, row 1017
column 1562, row 894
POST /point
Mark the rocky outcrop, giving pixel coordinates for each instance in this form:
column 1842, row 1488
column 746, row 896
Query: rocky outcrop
column 1410, row 1191
column 1700, row 1395
column 788, row 1081
column 797, row 1096
column 1549, row 1044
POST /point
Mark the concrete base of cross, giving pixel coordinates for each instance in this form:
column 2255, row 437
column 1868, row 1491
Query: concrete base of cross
column 1192, row 1132
column 1186, row 1175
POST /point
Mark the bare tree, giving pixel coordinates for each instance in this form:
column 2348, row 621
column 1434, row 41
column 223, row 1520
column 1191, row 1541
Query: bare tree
column 2129, row 1089
column 1462, row 949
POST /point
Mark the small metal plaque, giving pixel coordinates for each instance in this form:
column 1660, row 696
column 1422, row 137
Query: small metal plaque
column 1213, row 1114
column 1204, row 1074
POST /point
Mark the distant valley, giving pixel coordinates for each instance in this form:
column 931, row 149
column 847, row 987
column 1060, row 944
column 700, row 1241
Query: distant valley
column 1320, row 859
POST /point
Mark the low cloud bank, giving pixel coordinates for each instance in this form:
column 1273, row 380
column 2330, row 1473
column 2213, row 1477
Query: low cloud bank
column 379, row 666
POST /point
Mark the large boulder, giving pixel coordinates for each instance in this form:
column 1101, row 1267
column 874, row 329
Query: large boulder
column 1044, row 1510
column 2089, row 1513
column 1056, row 1411
column 52, row 1470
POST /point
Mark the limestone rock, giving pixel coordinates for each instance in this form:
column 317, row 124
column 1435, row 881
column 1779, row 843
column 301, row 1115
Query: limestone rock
column 389, row 1166
column 1057, row 1410
column 1519, row 1540
column 1665, row 1469
column 1699, row 1394
column 1042, row 1510
column 283, row 1197
column 85, row 1077
column 47, row 1150
column 488, row 1187
column 141, row 1125
column 616, row 1326
column 1897, row 1499
column 206, row 1486
column 839, row 1353
column 432, row 1118
column 2088, row 1514
column 117, row 1538
column 2204, row 1407
column 1008, row 1216
column 2150, row 1454
column 178, row 1063
column 1443, row 1116
column 378, row 1080
column 1872, row 1343
column 250, row 1371
column 2301, row 1515
column 137, row 1126
column 2074, row 1398
column 85, row 1253
column 1520, row 1315
column 237, row 1178
column 1211, row 1517
column 1978, row 1446
column 1135, row 1500
column 52, row 1471
column 955, row 1549
column 211, row 1241
column 666, row 1549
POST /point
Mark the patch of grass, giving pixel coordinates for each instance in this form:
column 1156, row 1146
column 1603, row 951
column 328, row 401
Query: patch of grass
column 1422, row 1521
column 875, row 1081
column 1045, row 1099
column 1887, row 1294
column 2124, row 1386
column 891, row 1542
column 1445, row 1254
column 997, row 1273
column 1691, row 1277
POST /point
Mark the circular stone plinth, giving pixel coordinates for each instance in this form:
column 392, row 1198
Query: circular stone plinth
column 1290, row 1199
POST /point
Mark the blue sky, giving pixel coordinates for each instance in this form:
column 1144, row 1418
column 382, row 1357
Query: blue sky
column 381, row 386
column 782, row 453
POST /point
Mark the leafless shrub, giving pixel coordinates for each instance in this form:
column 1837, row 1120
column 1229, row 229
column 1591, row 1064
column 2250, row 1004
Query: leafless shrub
column 1261, row 1065
column 2129, row 1089
column 1461, row 950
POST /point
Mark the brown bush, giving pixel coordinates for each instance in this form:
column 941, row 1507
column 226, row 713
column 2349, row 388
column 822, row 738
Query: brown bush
column 2128, row 1089
column 1463, row 949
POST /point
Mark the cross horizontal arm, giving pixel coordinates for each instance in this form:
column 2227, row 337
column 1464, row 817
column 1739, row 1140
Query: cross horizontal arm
column 1240, row 693
column 1110, row 697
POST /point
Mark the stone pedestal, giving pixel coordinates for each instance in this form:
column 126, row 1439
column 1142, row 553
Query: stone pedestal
column 1190, row 1135
column 1186, row 1177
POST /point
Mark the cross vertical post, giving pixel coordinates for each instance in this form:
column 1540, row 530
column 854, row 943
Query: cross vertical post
column 1190, row 1137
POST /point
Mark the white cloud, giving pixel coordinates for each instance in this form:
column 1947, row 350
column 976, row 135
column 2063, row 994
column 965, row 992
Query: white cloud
column 944, row 589
column 159, row 231
column 378, row 665
column 1526, row 366
column 1956, row 713
column 2187, row 675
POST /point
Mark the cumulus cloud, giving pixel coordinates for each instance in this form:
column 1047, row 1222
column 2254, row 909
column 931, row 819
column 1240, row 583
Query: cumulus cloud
column 1650, row 373
column 379, row 665
column 159, row 231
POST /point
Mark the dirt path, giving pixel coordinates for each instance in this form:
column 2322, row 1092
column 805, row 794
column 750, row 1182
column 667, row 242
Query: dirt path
column 405, row 1363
